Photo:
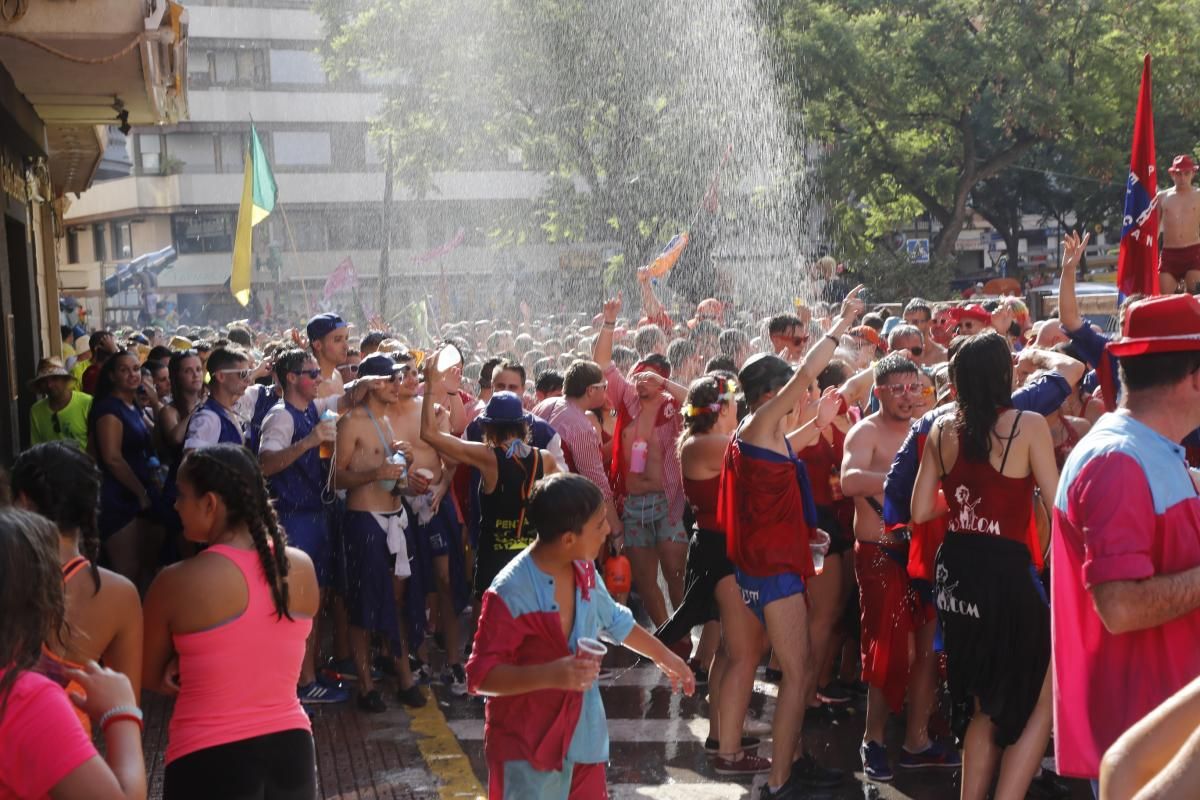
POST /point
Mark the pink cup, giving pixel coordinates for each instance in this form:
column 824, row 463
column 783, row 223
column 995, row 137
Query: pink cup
column 590, row 649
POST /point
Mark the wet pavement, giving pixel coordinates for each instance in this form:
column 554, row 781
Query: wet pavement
column 657, row 751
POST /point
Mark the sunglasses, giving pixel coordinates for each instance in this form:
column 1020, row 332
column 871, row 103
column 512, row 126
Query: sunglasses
column 916, row 351
column 799, row 341
column 241, row 373
column 602, row 385
column 897, row 389
column 352, row 367
column 315, row 374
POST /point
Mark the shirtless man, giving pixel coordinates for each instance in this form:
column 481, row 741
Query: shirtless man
column 1179, row 261
column 434, row 529
column 919, row 314
column 652, row 494
column 372, row 529
column 329, row 338
column 890, row 620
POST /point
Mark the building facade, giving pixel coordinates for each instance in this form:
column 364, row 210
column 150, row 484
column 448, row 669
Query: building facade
column 259, row 62
column 67, row 73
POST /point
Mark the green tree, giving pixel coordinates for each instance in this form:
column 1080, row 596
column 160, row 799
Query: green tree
column 624, row 106
column 947, row 102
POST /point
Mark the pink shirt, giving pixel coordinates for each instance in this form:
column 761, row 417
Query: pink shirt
column 1126, row 510
column 41, row 740
column 622, row 392
column 220, row 702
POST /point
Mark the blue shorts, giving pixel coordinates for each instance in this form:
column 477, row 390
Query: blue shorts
column 758, row 593
column 370, row 593
column 310, row 531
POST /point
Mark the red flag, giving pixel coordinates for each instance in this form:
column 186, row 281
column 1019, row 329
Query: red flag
column 441, row 250
column 342, row 277
column 1137, row 264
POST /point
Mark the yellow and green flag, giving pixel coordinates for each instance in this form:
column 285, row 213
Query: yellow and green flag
column 258, row 201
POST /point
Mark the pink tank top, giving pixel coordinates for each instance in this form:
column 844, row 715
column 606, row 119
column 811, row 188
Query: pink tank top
column 238, row 680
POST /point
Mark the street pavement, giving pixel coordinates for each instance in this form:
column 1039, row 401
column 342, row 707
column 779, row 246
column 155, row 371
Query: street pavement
column 657, row 753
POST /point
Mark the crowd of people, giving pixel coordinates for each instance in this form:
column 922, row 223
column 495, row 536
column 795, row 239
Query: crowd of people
column 841, row 494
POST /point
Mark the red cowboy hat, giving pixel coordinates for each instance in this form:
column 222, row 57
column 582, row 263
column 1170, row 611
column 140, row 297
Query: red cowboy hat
column 1182, row 163
column 1169, row 324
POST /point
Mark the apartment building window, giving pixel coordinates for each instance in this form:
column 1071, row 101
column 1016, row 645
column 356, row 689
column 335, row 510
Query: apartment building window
column 297, row 66
column 122, row 241
column 99, row 251
column 231, row 147
column 203, row 233
column 308, row 231
column 243, row 66
column 302, row 148
column 149, row 149
column 72, row 245
column 196, row 152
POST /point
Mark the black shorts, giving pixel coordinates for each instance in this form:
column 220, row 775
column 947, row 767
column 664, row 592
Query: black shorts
column 841, row 540
column 996, row 628
column 277, row 766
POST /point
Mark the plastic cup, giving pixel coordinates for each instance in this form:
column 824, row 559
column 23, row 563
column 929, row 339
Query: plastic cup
column 590, row 649
column 819, row 545
column 448, row 358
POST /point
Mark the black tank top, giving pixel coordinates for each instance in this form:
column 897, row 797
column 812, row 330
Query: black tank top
column 502, row 513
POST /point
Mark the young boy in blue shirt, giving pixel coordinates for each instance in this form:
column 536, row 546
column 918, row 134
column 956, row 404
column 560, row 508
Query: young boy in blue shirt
column 545, row 734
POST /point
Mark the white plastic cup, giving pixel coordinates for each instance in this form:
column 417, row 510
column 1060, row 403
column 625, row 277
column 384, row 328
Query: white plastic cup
column 590, row 649
column 448, row 358
column 819, row 545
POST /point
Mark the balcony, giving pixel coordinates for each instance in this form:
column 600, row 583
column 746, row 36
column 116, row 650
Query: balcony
column 106, row 62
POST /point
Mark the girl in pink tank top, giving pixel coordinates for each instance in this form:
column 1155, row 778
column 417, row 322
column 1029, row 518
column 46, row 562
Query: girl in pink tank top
column 247, row 599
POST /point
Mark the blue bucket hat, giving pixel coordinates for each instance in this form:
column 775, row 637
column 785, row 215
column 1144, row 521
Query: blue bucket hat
column 505, row 407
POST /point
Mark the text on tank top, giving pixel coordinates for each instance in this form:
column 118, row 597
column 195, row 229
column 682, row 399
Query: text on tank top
column 984, row 500
column 503, row 525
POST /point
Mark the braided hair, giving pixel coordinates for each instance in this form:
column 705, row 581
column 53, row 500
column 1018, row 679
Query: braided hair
column 231, row 473
column 62, row 484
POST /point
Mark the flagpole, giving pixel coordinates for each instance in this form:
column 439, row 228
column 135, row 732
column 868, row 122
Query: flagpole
column 292, row 241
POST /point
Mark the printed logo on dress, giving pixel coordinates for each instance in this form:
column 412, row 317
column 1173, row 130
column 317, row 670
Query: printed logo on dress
column 946, row 601
column 968, row 520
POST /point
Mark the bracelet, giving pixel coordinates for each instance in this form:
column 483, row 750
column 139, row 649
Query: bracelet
column 610, row 324
column 836, row 341
column 118, row 713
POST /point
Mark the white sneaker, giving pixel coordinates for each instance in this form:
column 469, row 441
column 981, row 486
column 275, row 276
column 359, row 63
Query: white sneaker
column 756, row 727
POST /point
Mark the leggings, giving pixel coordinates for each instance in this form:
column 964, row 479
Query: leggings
column 277, row 766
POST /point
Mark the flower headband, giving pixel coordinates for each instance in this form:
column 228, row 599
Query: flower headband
column 690, row 410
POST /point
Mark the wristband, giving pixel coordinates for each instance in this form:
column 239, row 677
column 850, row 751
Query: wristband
column 610, row 324
column 836, row 341
column 118, row 713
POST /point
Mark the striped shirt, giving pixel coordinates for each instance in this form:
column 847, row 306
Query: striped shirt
column 621, row 391
column 580, row 439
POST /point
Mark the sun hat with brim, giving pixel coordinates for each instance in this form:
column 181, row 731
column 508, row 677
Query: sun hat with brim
column 1157, row 325
column 504, row 407
column 50, row 368
column 1168, row 324
column 1182, row 163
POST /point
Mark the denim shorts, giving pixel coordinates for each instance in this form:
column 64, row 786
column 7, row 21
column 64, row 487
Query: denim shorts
column 646, row 521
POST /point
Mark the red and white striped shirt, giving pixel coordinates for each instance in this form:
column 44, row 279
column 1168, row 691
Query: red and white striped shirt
column 581, row 441
column 621, row 391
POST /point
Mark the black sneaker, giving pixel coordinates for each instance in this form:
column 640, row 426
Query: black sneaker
column 789, row 791
column 372, row 702
column 700, row 672
column 412, row 697
column 808, row 774
column 712, row 745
